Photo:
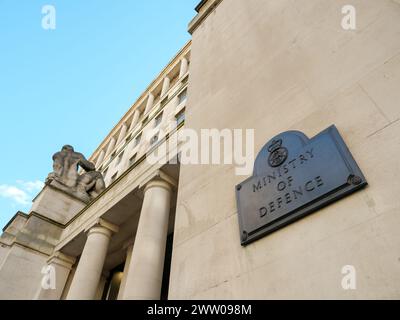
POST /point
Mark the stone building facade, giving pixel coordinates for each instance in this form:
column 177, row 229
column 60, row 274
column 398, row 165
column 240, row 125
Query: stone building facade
column 170, row 230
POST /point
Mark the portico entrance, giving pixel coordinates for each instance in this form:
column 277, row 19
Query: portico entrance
column 126, row 254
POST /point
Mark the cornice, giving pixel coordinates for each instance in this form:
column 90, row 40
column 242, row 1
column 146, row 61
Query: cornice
column 19, row 213
column 204, row 9
column 141, row 98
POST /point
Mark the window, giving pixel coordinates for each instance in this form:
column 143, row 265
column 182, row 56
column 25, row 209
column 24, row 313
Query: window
column 174, row 79
column 114, row 177
column 182, row 96
column 180, row 117
column 158, row 120
column 121, row 155
column 164, row 102
column 105, row 172
column 132, row 160
column 157, row 97
column 113, row 155
column 154, row 139
column 128, row 138
column 145, row 120
column 138, row 139
column 185, row 80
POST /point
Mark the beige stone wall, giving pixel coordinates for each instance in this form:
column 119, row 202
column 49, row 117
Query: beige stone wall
column 3, row 253
column 20, row 274
column 278, row 65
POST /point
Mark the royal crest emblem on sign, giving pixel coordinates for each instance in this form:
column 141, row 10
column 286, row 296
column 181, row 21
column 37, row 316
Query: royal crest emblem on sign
column 278, row 154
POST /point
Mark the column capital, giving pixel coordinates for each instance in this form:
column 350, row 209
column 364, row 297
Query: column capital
column 62, row 260
column 102, row 226
column 158, row 175
column 158, row 183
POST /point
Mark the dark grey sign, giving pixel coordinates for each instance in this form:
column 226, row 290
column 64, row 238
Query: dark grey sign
column 294, row 176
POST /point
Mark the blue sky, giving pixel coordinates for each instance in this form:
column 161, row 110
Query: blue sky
column 71, row 85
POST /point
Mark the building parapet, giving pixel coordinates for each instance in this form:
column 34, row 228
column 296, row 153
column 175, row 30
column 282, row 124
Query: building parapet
column 204, row 9
column 139, row 103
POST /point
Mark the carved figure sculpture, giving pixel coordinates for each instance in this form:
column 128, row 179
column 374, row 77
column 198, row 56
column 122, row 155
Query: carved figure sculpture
column 65, row 175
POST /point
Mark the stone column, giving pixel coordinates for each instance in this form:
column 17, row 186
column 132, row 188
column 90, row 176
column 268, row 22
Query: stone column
column 184, row 67
column 87, row 276
column 111, row 146
column 122, row 133
column 149, row 104
column 58, row 269
column 165, row 86
column 101, row 286
column 135, row 119
column 146, row 266
column 126, row 270
column 100, row 159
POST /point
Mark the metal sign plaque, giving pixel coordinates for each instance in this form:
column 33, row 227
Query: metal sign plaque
column 294, row 176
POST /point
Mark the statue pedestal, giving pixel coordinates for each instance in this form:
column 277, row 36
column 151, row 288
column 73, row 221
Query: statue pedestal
column 28, row 242
column 56, row 205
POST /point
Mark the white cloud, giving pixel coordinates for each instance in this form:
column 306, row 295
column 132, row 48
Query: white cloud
column 31, row 186
column 14, row 193
column 23, row 193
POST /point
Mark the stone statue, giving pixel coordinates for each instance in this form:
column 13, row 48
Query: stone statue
column 65, row 175
column 92, row 183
